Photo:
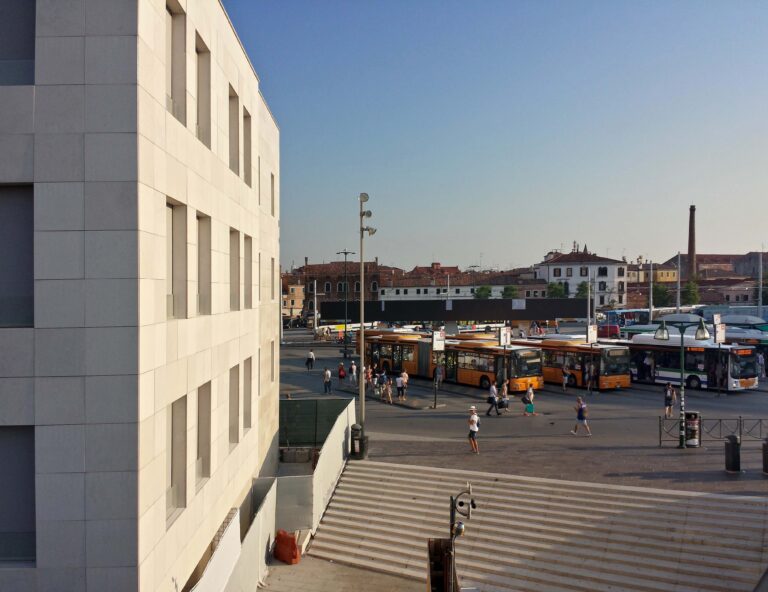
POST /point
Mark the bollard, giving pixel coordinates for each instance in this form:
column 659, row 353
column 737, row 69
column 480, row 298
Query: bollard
column 765, row 456
column 733, row 454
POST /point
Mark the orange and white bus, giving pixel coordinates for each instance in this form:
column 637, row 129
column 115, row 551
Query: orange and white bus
column 609, row 362
column 467, row 362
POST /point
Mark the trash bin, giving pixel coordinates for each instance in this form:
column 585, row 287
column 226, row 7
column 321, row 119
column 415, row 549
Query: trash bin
column 359, row 443
column 733, row 454
column 692, row 429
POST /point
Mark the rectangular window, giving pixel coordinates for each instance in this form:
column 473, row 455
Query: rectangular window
column 234, row 269
column 584, row 271
column 17, row 287
column 272, row 193
column 17, row 492
column 247, row 172
column 621, row 272
column 247, row 390
column 17, row 43
column 234, row 131
column 557, row 272
column 203, row 70
column 527, row 293
column 397, row 291
column 203, row 463
column 176, row 453
column 569, row 271
column 272, row 361
column 248, row 271
column 175, row 60
column 234, row 406
column 272, row 278
column 203, row 264
column 405, row 290
column 602, row 299
column 175, row 260
column 457, row 291
column 621, row 299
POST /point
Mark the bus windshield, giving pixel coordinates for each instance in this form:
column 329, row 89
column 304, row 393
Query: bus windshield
column 615, row 361
column 743, row 364
column 525, row 363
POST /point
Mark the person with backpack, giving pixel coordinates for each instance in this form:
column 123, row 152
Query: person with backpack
column 670, row 396
column 581, row 417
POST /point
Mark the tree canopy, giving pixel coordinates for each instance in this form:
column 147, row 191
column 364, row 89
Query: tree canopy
column 483, row 292
column 555, row 290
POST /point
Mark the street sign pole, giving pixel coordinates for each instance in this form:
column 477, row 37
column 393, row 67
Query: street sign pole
column 438, row 345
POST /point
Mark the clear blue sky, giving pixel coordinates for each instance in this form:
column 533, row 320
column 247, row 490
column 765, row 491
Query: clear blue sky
column 508, row 128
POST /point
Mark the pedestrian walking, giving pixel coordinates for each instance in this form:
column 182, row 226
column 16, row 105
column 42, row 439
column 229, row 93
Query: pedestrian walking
column 399, row 384
column 504, row 400
column 310, row 363
column 353, row 372
column 405, row 378
column 760, row 364
column 388, row 390
column 342, row 374
column 369, row 377
column 589, row 375
column 439, row 375
column 474, row 427
column 566, row 376
column 670, row 396
column 581, row 417
column 528, row 406
column 493, row 399
column 326, row 381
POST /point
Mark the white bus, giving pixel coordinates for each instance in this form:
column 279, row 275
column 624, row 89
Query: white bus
column 708, row 365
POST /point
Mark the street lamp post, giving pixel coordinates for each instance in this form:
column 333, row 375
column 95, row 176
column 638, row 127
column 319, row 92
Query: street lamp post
column 345, row 252
column 662, row 333
column 371, row 231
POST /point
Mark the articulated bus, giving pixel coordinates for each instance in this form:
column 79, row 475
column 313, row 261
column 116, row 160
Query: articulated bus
column 708, row 365
column 610, row 362
column 468, row 362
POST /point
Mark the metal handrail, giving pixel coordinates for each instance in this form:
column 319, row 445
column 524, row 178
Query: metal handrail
column 715, row 429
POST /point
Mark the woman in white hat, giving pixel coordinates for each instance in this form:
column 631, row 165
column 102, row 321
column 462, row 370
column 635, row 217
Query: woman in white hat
column 474, row 427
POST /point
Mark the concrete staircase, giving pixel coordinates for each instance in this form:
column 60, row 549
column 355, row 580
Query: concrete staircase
column 533, row 534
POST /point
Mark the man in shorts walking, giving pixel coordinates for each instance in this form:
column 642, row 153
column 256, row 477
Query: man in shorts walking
column 474, row 427
column 581, row 417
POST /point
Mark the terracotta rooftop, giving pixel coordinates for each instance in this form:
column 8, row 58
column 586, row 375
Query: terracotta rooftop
column 578, row 257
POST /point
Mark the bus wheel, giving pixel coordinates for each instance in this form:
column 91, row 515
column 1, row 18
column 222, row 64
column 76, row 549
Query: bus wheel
column 693, row 382
column 485, row 383
column 571, row 380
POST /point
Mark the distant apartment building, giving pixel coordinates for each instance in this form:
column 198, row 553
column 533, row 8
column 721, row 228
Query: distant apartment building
column 641, row 273
column 293, row 300
column 332, row 281
column 607, row 277
column 139, row 321
column 450, row 283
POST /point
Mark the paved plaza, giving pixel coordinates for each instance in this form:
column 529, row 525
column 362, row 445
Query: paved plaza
column 624, row 450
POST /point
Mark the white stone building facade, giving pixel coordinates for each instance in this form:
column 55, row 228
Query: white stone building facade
column 607, row 277
column 139, row 308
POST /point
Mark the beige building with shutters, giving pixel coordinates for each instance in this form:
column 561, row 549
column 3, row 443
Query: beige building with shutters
column 139, row 316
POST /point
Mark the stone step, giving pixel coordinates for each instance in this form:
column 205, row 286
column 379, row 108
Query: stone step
column 532, row 534
column 690, row 563
column 541, row 521
column 723, row 505
column 474, row 569
column 564, row 559
column 737, row 527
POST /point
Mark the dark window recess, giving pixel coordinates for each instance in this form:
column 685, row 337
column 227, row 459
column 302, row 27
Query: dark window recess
column 17, row 306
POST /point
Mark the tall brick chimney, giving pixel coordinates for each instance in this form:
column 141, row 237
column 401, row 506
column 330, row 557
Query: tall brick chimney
column 692, row 243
